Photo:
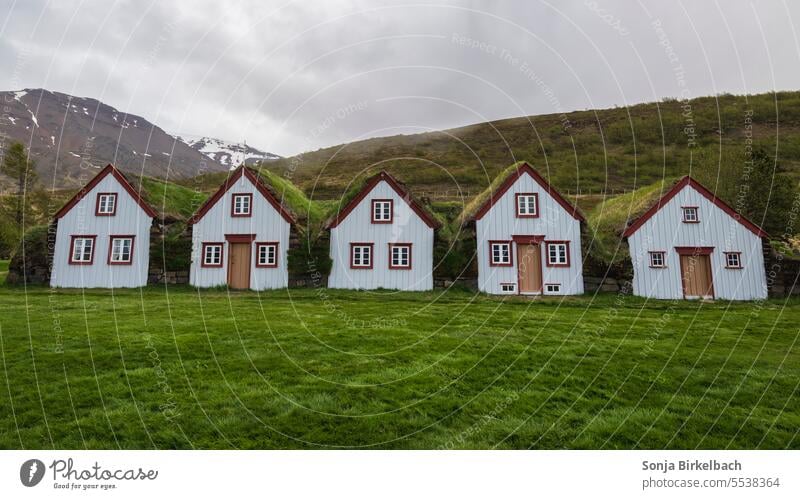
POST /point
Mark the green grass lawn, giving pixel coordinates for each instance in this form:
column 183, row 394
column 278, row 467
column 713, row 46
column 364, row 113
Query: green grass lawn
column 3, row 270
column 179, row 368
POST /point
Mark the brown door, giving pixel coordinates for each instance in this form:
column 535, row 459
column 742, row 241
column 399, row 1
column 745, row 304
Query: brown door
column 529, row 268
column 697, row 280
column 239, row 265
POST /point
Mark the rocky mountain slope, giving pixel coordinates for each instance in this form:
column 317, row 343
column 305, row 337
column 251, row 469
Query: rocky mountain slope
column 68, row 135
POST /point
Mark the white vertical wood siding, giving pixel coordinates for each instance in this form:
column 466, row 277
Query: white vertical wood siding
column 406, row 227
column 665, row 230
column 500, row 223
column 266, row 223
column 130, row 219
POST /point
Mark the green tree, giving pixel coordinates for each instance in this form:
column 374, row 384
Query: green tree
column 18, row 165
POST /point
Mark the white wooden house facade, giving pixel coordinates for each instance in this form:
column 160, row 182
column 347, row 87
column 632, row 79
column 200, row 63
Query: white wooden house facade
column 528, row 239
column 691, row 244
column 103, row 236
column 240, row 236
column 382, row 238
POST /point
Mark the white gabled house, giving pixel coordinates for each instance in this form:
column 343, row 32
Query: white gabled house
column 103, row 236
column 528, row 238
column 382, row 238
column 240, row 236
column 691, row 244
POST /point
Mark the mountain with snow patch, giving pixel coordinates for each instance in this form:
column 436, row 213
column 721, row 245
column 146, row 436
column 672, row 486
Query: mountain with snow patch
column 230, row 154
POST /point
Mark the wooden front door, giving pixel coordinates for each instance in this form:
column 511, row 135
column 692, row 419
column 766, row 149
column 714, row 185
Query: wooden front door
column 529, row 268
column 697, row 281
column 239, row 265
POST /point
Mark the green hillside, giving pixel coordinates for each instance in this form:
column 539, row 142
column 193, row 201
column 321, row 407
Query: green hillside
column 590, row 152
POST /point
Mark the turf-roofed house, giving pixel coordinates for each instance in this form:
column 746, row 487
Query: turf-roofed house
column 528, row 236
column 691, row 244
column 382, row 238
column 240, row 236
column 103, row 235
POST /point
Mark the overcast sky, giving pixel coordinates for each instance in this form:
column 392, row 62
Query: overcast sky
column 293, row 76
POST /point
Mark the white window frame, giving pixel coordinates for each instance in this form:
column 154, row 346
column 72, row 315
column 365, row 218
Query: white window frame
column 239, row 208
column 382, row 210
column 112, row 257
column 81, row 253
column 361, row 256
column 503, row 257
column 737, row 255
column 694, row 210
column 552, row 288
column 508, row 287
column 524, row 204
column 217, row 254
column 110, row 204
column 269, row 260
column 662, row 255
column 561, row 258
column 399, row 248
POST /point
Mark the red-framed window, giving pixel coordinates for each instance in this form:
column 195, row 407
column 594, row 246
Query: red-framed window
column 120, row 250
column 382, row 211
column 557, row 253
column 658, row 259
column 267, row 255
column 242, row 204
column 733, row 260
column 106, row 204
column 81, row 249
column 500, row 254
column 400, row 256
column 527, row 204
column 212, row 255
column 361, row 255
column 691, row 214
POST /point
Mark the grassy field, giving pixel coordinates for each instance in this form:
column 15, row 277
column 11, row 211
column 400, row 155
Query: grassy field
column 179, row 368
column 3, row 270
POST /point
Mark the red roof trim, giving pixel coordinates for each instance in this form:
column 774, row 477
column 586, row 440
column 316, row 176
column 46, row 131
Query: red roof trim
column 398, row 188
column 512, row 178
column 108, row 170
column 230, row 182
column 687, row 180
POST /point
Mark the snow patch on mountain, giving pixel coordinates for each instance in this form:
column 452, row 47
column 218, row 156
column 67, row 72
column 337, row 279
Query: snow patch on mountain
column 230, row 154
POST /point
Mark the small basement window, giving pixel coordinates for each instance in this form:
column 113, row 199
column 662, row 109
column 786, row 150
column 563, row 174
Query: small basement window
column 508, row 287
column 552, row 288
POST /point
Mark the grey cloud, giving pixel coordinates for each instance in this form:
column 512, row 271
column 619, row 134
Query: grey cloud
column 279, row 75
